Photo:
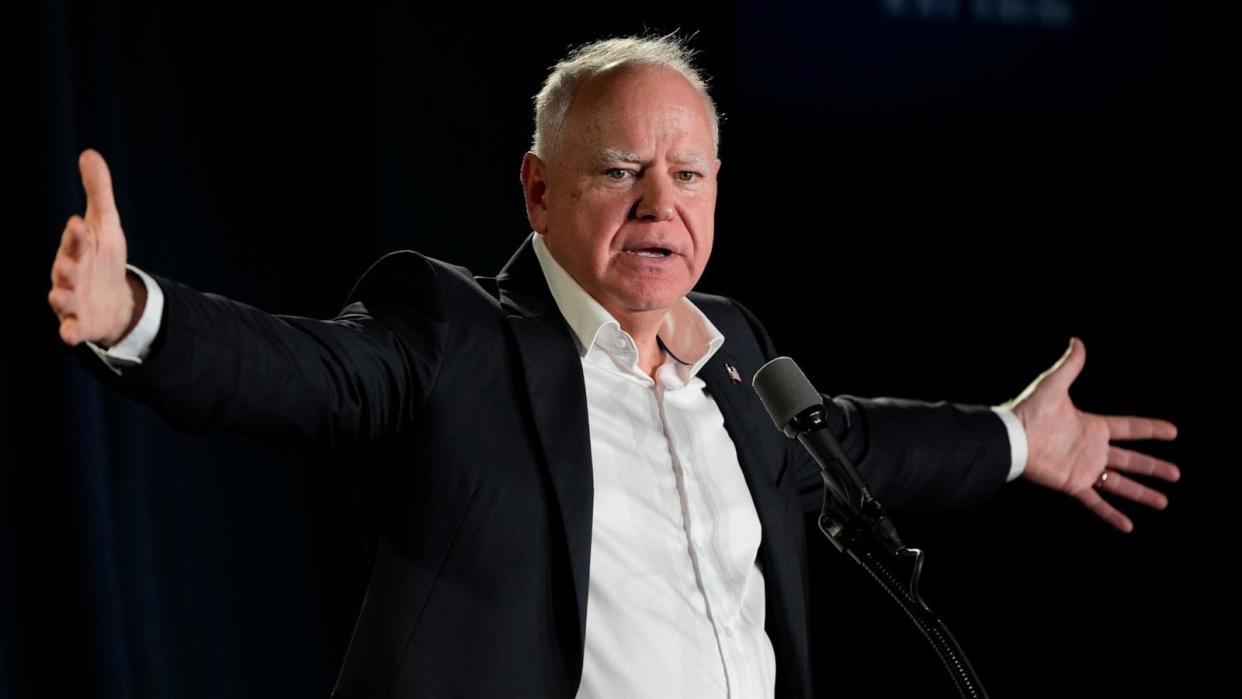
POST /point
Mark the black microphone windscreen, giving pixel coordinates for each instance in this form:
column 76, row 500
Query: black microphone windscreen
column 784, row 390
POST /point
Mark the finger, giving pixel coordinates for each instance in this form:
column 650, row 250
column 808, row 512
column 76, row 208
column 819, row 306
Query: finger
column 1130, row 427
column 63, row 302
column 1137, row 462
column 1067, row 368
column 69, row 331
column 76, row 238
column 1131, row 489
column 65, row 272
column 1105, row 511
column 97, row 181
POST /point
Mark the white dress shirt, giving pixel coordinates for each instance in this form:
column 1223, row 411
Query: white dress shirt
column 675, row 600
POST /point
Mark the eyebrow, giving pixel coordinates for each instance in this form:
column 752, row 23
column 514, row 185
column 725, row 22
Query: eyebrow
column 617, row 155
column 693, row 159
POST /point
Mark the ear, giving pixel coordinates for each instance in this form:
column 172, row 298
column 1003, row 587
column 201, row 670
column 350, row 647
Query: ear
column 535, row 187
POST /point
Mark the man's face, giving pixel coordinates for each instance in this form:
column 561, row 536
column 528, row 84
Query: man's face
column 626, row 202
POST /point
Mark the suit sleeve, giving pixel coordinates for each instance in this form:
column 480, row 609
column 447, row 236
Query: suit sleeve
column 914, row 455
column 217, row 364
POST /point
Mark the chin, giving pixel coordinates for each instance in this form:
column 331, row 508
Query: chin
column 651, row 299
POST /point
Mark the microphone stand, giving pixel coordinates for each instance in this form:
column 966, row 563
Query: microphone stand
column 856, row 525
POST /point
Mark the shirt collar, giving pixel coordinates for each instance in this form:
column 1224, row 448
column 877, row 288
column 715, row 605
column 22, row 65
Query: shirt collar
column 687, row 335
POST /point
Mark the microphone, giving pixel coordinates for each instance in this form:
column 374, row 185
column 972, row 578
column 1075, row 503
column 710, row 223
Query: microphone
column 798, row 411
column 850, row 513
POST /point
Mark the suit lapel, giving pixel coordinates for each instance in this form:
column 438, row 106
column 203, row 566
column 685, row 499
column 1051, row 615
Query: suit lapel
column 783, row 581
column 734, row 402
column 557, row 396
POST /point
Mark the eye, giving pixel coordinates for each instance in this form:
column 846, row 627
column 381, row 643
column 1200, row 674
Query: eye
column 688, row 175
column 617, row 173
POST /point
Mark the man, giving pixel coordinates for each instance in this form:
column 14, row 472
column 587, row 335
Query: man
column 579, row 493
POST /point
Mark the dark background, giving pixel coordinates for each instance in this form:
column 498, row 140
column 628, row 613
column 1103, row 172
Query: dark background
column 923, row 198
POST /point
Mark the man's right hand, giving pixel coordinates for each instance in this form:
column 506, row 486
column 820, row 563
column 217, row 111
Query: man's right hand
column 92, row 293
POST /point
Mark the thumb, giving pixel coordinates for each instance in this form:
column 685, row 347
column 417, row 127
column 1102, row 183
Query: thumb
column 1067, row 368
column 97, row 181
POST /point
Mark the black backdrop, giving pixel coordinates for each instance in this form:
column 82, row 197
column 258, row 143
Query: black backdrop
column 923, row 198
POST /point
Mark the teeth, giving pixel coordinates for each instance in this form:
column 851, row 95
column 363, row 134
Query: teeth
column 648, row 252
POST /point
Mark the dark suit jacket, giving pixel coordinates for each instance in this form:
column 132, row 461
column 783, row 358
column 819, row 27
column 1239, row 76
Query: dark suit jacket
column 471, row 392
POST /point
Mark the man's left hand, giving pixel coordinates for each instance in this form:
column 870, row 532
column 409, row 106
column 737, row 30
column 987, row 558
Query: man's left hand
column 1070, row 450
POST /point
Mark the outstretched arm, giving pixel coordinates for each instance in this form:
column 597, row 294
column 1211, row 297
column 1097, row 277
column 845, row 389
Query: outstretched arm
column 219, row 364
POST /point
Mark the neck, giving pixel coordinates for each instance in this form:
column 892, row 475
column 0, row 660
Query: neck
column 644, row 327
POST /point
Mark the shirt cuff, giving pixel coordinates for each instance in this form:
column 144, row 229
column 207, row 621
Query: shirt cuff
column 134, row 347
column 1017, row 442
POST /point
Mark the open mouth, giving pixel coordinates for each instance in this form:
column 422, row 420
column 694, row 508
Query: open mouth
column 650, row 252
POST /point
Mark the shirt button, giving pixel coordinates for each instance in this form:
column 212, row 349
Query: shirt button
column 728, row 632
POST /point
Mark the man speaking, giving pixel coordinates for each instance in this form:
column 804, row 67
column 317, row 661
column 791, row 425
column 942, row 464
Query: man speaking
column 581, row 495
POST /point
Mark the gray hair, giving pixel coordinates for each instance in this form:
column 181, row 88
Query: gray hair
column 552, row 102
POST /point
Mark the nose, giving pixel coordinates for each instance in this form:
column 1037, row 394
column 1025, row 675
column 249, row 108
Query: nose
column 657, row 198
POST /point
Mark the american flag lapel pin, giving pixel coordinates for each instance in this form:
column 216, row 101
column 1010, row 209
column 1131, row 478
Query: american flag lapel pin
column 734, row 375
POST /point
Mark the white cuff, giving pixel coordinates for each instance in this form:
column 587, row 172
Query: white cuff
column 1017, row 441
column 134, row 347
